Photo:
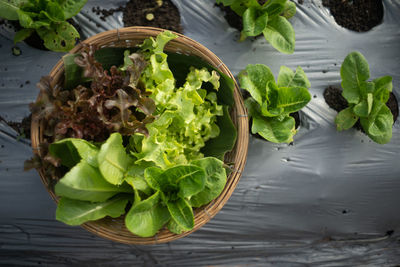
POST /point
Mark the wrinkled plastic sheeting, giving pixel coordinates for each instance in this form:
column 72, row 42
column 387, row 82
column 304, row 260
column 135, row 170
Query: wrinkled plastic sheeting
column 331, row 198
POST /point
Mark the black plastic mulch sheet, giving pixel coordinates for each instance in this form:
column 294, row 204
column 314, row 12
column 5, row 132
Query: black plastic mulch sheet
column 330, row 199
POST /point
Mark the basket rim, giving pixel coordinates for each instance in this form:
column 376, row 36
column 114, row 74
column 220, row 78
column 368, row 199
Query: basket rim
column 206, row 212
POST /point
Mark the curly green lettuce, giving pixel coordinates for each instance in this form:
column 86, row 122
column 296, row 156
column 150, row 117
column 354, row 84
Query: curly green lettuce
column 186, row 116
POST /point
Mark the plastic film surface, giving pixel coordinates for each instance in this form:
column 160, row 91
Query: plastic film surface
column 331, row 198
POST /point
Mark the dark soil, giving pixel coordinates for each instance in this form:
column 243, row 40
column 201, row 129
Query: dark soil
column 5, row 23
column 296, row 116
column 393, row 105
column 23, row 128
column 356, row 15
column 135, row 12
column 233, row 19
column 35, row 41
column 104, row 13
column 335, row 100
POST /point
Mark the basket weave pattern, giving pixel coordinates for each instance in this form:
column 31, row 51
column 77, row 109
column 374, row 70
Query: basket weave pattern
column 114, row 229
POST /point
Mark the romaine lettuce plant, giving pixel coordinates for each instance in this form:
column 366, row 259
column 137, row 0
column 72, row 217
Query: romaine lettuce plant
column 164, row 167
column 47, row 18
column 366, row 100
column 269, row 19
column 101, row 182
column 271, row 103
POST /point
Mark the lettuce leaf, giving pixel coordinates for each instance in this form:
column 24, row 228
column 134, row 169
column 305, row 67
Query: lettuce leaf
column 72, row 150
column 76, row 212
column 146, row 217
column 113, row 160
column 187, row 115
column 366, row 99
column 85, row 182
column 180, row 66
column 214, row 183
column 271, row 103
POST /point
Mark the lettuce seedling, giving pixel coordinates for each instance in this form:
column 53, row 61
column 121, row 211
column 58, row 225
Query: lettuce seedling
column 271, row 103
column 47, row 18
column 269, row 19
column 176, row 189
column 366, row 100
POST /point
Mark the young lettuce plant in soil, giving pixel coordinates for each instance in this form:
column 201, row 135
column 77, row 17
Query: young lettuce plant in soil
column 269, row 18
column 272, row 103
column 366, row 100
column 151, row 132
column 47, row 18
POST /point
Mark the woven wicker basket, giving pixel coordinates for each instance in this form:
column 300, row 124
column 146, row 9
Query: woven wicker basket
column 114, row 229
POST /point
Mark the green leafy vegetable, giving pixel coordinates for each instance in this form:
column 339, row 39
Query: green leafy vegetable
column 72, row 150
column 379, row 123
column 288, row 78
column 173, row 188
column 345, row 119
column 269, row 19
column 72, row 7
column 60, row 38
column 274, row 130
column 154, row 178
column 214, row 183
column 174, row 227
column 187, row 115
column 161, row 167
column 9, row 9
column 180, row 66
column 280, row 34
column 289, row 10
column 85, row 182
column 354, row 73
column 135, row 177
column 182, row 214
column 189, row 179
column 254, row 22
column 138, row 183
column 366, row 100
column 47, row 18
column 76, row 212
column 147, row 217
column 113, row 160
column 271, row 104
column 255, row 79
